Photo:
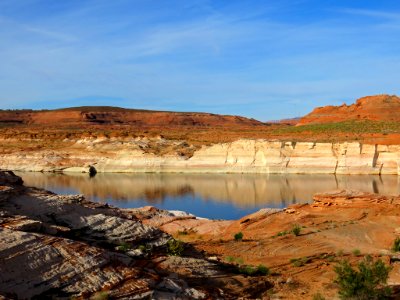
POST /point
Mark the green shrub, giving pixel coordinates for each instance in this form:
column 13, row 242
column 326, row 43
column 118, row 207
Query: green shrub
column 299, row 262
column 175, row 247
column 247, row 270
column 124, row 247
column 331, row 258
column 282, row 233
column 396, row 245
column 236, row 260
column 263, row 270
column 146, row 249
column 368, row 282
column 296, row 230
column 186, row 231
column 238, row 236
column 356, row 252
column 251, row 270
column 230, row 259
column 239, row 261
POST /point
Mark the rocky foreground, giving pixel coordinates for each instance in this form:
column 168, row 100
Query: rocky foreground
column 337, row 226
column 66, row 247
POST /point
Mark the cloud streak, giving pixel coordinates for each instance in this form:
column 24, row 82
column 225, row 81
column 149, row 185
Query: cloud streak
column 224, row 57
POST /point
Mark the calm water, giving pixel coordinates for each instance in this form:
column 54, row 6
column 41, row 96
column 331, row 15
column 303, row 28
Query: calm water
column 217, row 196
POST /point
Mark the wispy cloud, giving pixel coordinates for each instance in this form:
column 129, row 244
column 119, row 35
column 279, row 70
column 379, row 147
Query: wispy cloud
column 222, row 56
column 51, row 34
column 389, row 15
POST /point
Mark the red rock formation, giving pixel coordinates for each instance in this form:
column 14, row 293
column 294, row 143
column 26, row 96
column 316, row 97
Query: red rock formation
column 338, row 225
column 374, row 108
column 115, row 115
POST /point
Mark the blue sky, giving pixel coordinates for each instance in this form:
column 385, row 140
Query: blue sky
column 261, row 59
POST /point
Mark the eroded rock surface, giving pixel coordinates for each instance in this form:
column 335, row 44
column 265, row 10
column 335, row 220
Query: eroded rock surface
column 64, row 246
column 241, row 156
column 338, row 225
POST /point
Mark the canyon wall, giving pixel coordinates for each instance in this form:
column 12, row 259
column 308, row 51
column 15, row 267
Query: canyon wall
column 242, row 156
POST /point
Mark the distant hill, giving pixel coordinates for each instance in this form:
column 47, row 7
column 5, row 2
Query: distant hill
column 99, row 115
column 290, row 121
column 371, row 108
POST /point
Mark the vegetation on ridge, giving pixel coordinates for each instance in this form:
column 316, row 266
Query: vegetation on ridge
column 352, row 126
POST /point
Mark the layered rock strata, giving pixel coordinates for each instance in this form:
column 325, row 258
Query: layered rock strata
column 242, row 156
column 62, row 247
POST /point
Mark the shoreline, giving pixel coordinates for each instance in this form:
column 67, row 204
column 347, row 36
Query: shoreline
column 242, row 156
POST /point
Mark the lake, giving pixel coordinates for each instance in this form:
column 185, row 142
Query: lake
column 216, row 196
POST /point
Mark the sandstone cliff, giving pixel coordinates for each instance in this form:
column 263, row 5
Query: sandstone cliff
column 242, row 156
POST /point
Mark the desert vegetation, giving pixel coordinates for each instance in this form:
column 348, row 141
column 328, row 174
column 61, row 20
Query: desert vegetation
column 367, row 281
column 175, row 247
column 296, row 229
column 238, row 236
column 396, row 245
column 351, row 127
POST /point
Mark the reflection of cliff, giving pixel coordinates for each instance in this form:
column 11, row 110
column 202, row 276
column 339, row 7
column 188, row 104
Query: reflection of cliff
column 241, row 190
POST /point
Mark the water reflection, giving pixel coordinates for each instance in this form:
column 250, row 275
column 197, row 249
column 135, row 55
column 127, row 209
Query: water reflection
column 245, row 191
